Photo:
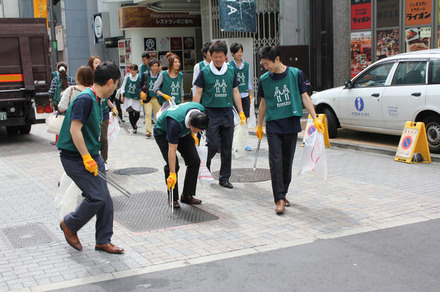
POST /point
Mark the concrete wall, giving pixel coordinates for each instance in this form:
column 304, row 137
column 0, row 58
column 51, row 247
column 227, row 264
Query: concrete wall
column 294, row 22
column 341, row 41
column 9, row 8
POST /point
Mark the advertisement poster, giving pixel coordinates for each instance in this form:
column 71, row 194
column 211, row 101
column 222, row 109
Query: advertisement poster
column 153, row 55
column 121, row 52
column 418, row 12
column 417, row 39
column 176, row 44
column 163, row 61
column 188, row 43
column 387, row 43
column 189, row 60
column 387, row 13
column 360, row 51
column 163, row 44
column 149, row 44
column 360, row 14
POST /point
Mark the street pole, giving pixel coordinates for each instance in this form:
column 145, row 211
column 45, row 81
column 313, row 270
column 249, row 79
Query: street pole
column 53, row 46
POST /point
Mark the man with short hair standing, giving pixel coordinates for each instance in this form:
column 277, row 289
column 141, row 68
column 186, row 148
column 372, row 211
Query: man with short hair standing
column 217, row 91
column 283, row 92
column 79, row 143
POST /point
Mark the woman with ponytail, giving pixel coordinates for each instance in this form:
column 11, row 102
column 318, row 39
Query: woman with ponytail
column 59, row 84
column 169, row 84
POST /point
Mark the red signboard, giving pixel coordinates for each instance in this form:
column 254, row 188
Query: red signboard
column 360, row 14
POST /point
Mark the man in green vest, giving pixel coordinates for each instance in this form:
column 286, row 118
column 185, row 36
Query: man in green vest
column 144, row 66
column 217, row 90
column 79, row 143
column 283, row 92
column 174, row 131
column 199, row 66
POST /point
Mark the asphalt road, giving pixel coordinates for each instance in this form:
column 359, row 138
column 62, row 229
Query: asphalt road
column 405, row 258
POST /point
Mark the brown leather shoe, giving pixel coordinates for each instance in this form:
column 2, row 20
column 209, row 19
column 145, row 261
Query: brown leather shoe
column 279, row 209
column 109, row 247
column 71, row 237
column 190, row 200
column 286, row 202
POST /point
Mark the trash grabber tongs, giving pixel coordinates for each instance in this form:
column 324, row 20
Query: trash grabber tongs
column 114, row 184
column 256, row 154
column 172, row 200
column 124, row 125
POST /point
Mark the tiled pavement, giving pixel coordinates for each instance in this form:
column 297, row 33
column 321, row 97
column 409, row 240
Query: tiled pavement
column 363, row 192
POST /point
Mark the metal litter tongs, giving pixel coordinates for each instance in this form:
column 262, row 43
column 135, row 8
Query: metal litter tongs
column 124, row 125
column 114, row 184
column 256, row 154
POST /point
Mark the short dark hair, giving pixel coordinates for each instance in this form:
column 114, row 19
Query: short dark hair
column 152, row 62
column 106, row 71
column 205, row 48
column 145, row 55
column 235, row 47
column 199, row 120
column 219, row 46
column 134, row 67
column 270, row 53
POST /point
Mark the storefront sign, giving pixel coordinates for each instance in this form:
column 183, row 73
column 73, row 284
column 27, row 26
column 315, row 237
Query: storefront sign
column 387, row 13
column 97, row 28
column 360, row 14
column 40, row 9
column 238, row 15
column 360, row 51
column 418, row 12
column 133, row 17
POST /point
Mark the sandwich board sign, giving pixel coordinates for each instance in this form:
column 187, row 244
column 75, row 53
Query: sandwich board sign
column 310, row 128
column 413, row 141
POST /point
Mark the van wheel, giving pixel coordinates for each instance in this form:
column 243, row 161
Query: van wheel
column 26, row 129
column 432, row 125
column 332, row 123
column 12, row 130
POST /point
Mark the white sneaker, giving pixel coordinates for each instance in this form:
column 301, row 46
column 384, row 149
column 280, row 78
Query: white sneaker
column 106, row 166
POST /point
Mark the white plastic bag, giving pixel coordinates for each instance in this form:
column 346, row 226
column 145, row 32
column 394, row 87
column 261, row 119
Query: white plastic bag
column 113, row 128
column 68, row 197
column 240, row 136
column 204, row 173
column 314, row 157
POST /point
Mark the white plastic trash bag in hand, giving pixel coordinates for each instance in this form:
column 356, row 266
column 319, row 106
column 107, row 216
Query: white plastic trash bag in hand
column 314, row 157
column 204, row 173
column 68, row 197
column 113, row 128
column 239, row 142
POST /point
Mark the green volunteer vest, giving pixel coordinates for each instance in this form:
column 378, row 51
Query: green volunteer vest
column 143, row 68
column 177, row 113
column 202, row 65
column 91, row 129
column 131, row 88
column 150, row 83
column 171, row 86
column 57, row 94
column 242, row 76
column 104, row 104
column 282, row 97
column 218, row 90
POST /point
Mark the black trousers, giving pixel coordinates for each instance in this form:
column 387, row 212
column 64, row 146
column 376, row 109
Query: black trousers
column 187, row 149
column 281, row 152
column 246, row 104
column 219, row 134
column 133, row 116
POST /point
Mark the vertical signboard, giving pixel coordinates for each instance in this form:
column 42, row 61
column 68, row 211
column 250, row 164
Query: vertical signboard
column 97, row 28
column 418, row 12
column 40, row 9
column 238, row 15
column 360, row 14
column 360, row 51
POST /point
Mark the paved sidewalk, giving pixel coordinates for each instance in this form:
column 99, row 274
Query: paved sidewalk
column 363, row 192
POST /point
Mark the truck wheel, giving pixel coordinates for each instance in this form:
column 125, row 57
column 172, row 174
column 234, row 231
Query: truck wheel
column 332, row 123
column 12, row 130
column 432, row 125
column 25, row 129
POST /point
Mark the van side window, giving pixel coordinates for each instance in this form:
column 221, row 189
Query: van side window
column 411, row 72
column 374, row 77
column 434, row 72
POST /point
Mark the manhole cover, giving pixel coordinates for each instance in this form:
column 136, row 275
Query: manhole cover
column 241, row 175
column 27, row 235
column 135, row 170
column 149, row 211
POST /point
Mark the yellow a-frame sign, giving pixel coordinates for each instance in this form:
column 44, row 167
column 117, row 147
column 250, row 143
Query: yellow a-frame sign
column 413, row 140
column 310, row 128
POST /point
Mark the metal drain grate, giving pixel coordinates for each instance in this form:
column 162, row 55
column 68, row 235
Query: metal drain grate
column 242, row 175
column 149, row 211
column 27, row 235
column 135, row 170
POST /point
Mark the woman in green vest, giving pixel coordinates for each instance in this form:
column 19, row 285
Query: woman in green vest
column 130, row 95
column 169, row 84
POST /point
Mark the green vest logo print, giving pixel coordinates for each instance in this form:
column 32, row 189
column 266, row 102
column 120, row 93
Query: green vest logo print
column 132, row 88
column 220, row 88
column 279, row 96
column 151, row 85
column 241, row 78
column 175, row 87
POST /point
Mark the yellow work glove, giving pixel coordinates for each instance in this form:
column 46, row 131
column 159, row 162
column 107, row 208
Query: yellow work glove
column 167, row 97
column 196, row 140
column 318, row 125
column 259, row 132
column 90, row 164
column 242, row 118
column 115, row 111
column 171, row 180
column 143, row 96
